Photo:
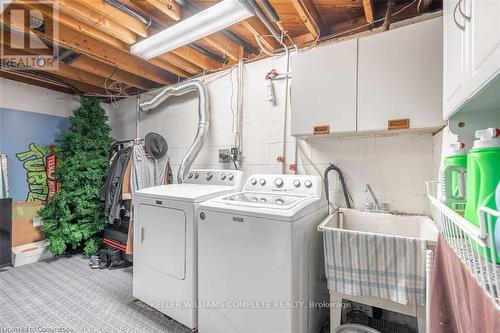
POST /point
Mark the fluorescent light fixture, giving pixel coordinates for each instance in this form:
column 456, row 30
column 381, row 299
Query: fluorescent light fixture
column 213, row 19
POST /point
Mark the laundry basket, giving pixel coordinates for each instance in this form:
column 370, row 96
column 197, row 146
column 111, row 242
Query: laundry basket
column 378, row 259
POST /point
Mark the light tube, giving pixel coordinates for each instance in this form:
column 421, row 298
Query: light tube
column 209, row 21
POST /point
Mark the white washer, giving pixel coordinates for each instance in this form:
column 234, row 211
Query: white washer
column 165, row 241
column 260, row 258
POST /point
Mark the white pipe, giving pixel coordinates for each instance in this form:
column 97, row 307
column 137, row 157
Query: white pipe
column 203, row 118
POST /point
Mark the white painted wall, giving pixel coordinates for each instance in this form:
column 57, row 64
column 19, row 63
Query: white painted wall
column 24, row 97
column 396, row 165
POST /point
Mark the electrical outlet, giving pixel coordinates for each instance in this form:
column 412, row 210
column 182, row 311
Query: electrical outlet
column 235, row 153
column 224, row 152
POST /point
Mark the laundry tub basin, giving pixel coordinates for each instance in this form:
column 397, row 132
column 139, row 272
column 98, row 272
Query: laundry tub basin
column 378, row 259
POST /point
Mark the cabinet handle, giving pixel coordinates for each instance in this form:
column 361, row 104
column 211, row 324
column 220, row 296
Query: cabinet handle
column 462, row 27
column 464, row 14
column 142, row 234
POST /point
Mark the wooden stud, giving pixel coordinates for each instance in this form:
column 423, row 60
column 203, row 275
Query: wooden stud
column 168, row 7
column 309, row 16
column 368, row 7
column 120, row 17
column 32, row 80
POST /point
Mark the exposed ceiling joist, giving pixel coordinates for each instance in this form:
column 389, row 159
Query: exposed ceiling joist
column 169, row 7
column 72, row 39
column 91, row 17
column 116, row 15
column 368, row 8
column 309, row 16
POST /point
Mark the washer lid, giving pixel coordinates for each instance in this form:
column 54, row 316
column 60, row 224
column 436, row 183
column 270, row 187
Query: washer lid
column 270, row 200
column 185, row 192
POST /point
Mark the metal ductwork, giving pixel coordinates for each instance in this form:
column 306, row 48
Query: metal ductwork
column 203, row 118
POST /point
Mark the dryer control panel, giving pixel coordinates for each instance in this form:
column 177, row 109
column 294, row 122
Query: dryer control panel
column 291, row 184
column 215, row 177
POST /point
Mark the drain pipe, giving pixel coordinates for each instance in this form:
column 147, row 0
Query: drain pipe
column 130, row 11
column 203, row 119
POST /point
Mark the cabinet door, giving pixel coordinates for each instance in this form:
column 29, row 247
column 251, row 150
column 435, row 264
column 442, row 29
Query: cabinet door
column 401, row 76
column 484, row 42
column 454, row 58
column 324, row 89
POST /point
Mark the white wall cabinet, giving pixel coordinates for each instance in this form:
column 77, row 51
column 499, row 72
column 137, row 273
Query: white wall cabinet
column 400, row 77
column 471, row 54
column 455, row 55
column 483, row 31
column 324, row 89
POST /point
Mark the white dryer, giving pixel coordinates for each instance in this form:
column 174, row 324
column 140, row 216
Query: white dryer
column 165, row 241
column 260, row 258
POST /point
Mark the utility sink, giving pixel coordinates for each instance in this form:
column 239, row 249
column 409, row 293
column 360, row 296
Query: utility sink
column 413, row 226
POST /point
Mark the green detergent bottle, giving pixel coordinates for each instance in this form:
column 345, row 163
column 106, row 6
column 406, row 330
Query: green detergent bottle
column 453, row 174
column 483, row 175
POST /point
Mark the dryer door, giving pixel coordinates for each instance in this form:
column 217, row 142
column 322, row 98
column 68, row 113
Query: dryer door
column 162, row 239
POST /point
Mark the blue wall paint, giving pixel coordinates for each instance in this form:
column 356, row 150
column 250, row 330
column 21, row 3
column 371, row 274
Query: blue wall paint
column 17, row 130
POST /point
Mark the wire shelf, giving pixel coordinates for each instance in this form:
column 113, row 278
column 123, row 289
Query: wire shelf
column 473, row 244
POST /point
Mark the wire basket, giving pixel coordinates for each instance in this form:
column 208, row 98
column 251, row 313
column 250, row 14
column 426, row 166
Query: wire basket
column 475, row 246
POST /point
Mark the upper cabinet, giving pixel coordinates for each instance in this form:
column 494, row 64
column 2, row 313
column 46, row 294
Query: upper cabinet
column 471, row 55
column 389, row 80
column 400, row 78
column 454, row 55
column 323, row 98
column 483, row 29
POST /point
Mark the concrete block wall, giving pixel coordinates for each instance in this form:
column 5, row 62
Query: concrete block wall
column 395, row 165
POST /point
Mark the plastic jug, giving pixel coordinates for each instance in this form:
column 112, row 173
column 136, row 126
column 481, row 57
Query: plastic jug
column 483, row 175
column 453, row 178
column 497, row 226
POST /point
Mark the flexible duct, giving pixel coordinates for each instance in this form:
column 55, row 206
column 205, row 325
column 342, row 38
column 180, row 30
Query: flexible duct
column 203, row 119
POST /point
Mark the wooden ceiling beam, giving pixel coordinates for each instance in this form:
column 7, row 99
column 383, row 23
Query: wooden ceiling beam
column 93, row 18
column 368, row 8
column 72, row 39
column 310, row 17
column 75, row 24
column 96, row 67
column 92, row 32
column 168, row 7
column 115, row 14
column 31, row 80
column 201, row 61
column 171, row 64
column 257, row 29
column 63, row 70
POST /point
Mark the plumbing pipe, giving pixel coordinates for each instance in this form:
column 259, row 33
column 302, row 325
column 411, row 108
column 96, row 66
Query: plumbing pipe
column 203, row 118
column 271, row 13
column 130, row 11
column 333, row 167
column 251, row 4
column 388, row 14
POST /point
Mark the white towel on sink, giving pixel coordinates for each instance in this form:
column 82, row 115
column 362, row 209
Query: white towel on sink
column 368, row 264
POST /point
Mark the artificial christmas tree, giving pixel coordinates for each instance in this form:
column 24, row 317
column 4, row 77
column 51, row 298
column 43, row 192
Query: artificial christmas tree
column 74, row 217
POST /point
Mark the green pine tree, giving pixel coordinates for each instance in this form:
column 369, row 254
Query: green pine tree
column 74, row 218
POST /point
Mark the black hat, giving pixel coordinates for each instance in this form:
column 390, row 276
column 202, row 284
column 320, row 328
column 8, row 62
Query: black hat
column 156, row 145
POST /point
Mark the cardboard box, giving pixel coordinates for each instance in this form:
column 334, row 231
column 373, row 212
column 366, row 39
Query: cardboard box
column 23, row 230
column 29, row 253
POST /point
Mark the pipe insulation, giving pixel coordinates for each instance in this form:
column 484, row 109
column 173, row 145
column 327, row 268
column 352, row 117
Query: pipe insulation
column 203, row 118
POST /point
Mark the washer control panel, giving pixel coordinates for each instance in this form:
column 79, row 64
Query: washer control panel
column 293, row 184
column 215, row 177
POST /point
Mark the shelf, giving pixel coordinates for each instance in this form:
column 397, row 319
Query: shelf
column 471, row 243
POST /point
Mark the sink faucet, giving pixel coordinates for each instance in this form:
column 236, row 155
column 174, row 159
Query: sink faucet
column 375, row 206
